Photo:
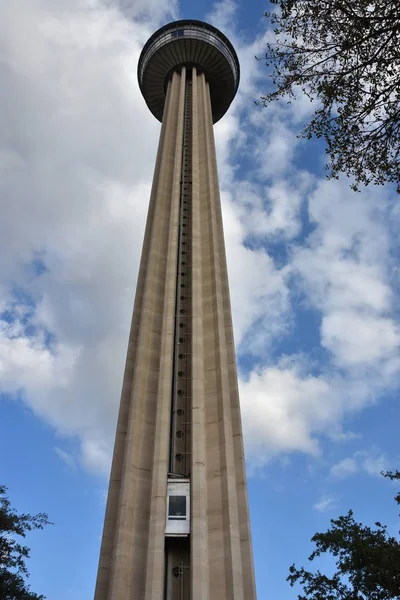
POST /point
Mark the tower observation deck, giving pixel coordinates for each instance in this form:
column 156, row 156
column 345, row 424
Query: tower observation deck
column 177, row 523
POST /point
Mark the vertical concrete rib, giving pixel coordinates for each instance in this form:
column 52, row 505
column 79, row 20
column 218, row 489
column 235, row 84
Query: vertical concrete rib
column 233, row 565
column 156, row 556
column 199, row 533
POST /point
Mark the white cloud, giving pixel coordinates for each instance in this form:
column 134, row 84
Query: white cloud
column 371, row 462
column 283, row 409
column 344, row 271
column 276, row 154
column 337, row 434
column 26, row 362
column 66, row 457
column 222, row 15
column 260, row 298
column 356, row 338
column 344, row 468
column 324, row 504
column 270, row 212
column 96, row 454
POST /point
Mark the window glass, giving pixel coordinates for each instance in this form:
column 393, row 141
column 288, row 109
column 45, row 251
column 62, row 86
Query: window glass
column 177, row 507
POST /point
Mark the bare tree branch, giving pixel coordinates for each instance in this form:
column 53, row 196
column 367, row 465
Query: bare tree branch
column 346, row 57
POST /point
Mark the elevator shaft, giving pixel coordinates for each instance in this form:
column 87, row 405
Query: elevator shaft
column 180, row 443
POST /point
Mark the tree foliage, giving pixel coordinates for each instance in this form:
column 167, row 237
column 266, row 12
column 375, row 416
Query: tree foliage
column 345, row 56
column 367, row 562
column 13, row 554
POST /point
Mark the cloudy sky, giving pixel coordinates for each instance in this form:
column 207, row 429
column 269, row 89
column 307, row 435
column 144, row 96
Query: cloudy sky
column 313, row 272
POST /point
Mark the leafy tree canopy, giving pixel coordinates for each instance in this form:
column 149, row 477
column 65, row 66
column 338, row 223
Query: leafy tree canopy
column 367, row 562
column 13, row 554
column 345, row 56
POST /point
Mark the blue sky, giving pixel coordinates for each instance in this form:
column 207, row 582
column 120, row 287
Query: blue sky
column 313, row 275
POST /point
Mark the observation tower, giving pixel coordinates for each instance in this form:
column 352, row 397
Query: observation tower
column 177, row 522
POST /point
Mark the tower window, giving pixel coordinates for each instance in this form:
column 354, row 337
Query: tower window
column 177, row 507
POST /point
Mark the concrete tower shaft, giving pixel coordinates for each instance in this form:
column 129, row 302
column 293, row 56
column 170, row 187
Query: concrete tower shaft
column 177, row 523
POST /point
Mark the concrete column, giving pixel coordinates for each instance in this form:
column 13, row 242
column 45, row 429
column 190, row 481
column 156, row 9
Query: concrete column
column 199, row 532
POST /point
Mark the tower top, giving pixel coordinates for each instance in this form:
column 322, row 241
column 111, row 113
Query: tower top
column 191, row 44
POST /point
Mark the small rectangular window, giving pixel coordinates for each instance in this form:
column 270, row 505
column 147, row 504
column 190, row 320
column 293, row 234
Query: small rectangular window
column 177, row 507
column 178, row 33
